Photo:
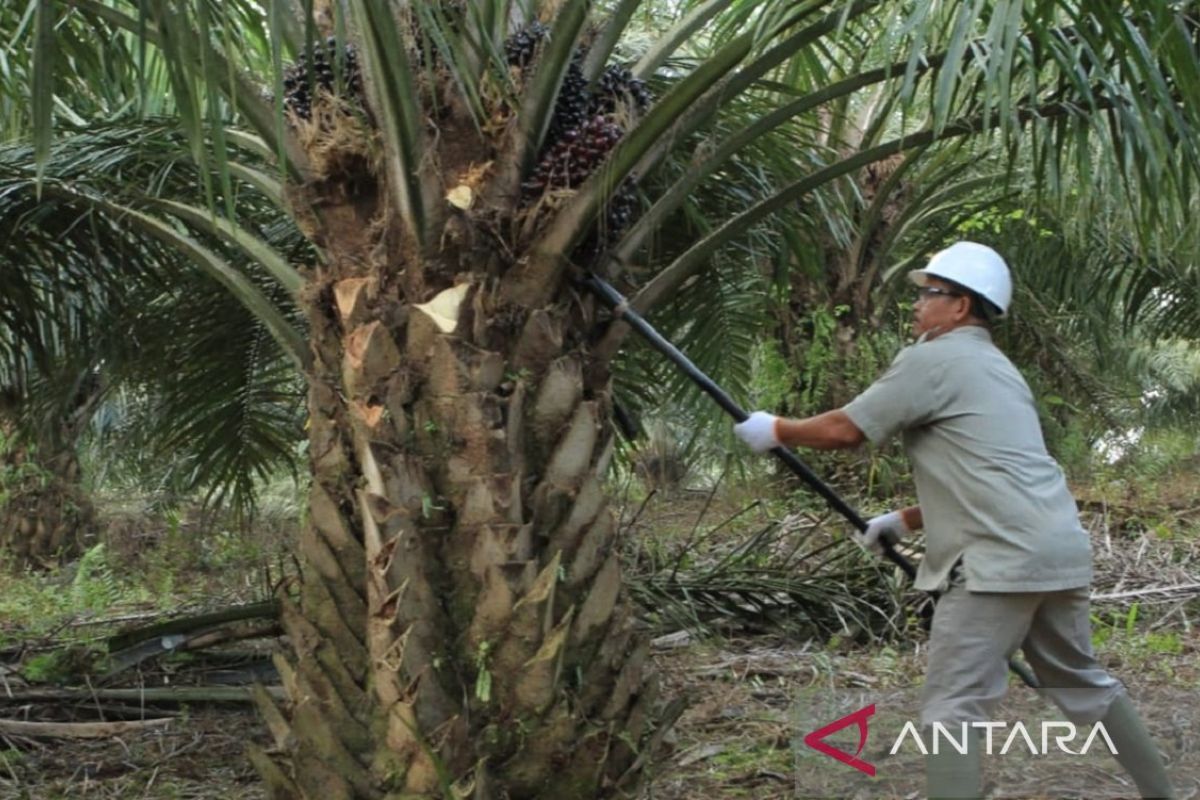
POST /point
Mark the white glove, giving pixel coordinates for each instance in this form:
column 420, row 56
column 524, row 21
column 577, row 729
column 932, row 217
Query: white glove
column 887, row 528
column 758, row 431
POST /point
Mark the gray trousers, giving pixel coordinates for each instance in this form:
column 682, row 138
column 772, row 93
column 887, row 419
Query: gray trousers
column 974, row 634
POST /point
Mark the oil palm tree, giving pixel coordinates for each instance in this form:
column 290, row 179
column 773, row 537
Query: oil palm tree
column 226, row 412
column 48, row 391
column 52, row 346
column 461, row 630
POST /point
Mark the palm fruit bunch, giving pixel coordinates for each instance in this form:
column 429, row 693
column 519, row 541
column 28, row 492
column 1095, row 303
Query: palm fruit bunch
column 522, row 46
column 571, row 105
column 576, row 104
column 620, row 209
column 583, row 130
column 302, row 80
column 571, row 160
column 618, row 83
column 574, row 156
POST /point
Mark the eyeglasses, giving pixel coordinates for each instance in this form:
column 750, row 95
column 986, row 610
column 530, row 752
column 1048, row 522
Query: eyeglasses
column 925, row 292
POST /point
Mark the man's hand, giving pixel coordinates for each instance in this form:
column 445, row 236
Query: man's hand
column 758, row 431
column 887, row 528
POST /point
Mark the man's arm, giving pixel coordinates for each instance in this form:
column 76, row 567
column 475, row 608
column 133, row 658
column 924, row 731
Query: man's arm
column 832, row 430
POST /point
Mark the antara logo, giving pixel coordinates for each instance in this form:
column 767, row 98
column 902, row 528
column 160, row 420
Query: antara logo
column 1063, row 733
column 815, row 740
column 1019, row 733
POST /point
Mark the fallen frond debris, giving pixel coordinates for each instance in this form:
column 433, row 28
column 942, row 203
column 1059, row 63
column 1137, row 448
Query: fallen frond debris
column 806, row 576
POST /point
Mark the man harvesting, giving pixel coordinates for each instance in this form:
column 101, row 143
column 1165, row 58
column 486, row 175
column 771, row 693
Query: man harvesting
column 1003, row 540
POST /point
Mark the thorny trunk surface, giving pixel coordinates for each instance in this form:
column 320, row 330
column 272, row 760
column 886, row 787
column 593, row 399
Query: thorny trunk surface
column 45, row 514
column 461, row 628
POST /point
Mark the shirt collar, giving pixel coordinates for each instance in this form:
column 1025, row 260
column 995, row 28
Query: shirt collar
column 968, row 331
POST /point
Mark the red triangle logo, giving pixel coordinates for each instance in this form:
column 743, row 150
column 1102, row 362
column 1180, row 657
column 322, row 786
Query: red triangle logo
column 815, row 740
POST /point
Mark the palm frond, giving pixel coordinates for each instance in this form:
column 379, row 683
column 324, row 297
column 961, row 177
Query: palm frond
column 230, row 416
column 683, row 31
column 85, row 282
column 789, row 575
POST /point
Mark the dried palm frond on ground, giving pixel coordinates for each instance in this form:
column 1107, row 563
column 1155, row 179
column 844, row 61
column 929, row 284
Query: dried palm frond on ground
column 735, row 740
column 804, row 574
column 742, row 733
column 739, row 736
column 801, row 574
column 1152, row 572
column 197, row 757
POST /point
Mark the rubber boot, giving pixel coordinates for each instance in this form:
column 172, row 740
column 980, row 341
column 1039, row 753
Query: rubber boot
column 1136, row 751
column 951, row 774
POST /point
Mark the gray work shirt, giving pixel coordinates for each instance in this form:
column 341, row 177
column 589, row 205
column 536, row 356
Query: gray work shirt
column 989, row 491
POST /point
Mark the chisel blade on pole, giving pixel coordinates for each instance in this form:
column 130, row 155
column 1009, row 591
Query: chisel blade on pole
column 621, row 310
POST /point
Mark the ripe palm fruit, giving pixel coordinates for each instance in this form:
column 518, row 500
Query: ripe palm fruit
column 571, row 106
column 302, row 81
column 570, row 161
column 521, row 47
column 574, row 156
column 616, row 84
column 620, row 210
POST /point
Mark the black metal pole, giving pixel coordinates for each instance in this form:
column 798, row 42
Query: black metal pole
column 621, row 310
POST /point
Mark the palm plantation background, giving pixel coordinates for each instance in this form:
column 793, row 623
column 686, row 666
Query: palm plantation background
column 341, row 243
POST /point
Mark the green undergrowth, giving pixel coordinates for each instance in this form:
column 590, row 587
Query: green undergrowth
column 1148, row 647
column 147, row 565
column 45, row 602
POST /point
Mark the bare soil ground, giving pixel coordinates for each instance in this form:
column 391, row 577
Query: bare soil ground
column 741, row 737
column 201, row 756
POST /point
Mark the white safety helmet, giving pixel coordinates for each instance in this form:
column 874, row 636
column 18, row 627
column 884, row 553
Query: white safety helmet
column 973, row 266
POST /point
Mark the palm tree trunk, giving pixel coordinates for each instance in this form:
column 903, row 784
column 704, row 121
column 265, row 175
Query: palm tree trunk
column 832, row 347
column 45, row 515
column 460, row 621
